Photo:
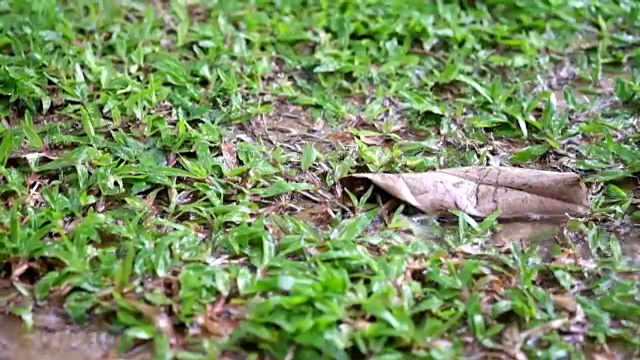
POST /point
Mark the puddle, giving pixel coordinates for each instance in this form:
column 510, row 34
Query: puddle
column 56, row 340
column 548, row 236
column 527, row 234
column 600, row 95
column 557, row 244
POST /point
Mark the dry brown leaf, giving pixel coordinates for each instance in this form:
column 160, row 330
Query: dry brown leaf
column 566, row 302
column 479, row 190
column 229, row 154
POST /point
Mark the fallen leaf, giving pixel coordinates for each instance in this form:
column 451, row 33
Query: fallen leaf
column 479, row 191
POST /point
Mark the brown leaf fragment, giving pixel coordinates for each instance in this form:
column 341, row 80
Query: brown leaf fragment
column 513, row 339
column 222, row 318
column 159, row 318
column 566, row 302
column 479, row 191
column 229, row 154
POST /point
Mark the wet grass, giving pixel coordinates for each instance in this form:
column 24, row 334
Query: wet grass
column 172, row 168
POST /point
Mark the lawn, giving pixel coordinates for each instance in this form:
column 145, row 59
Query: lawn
column 174, row 168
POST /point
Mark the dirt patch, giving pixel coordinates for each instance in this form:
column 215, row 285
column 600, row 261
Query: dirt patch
column 291, row 126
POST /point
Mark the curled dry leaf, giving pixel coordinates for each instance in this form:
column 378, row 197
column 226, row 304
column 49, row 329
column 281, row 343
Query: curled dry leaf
column 479, row 191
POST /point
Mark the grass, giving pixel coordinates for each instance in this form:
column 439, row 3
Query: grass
column 172, row 167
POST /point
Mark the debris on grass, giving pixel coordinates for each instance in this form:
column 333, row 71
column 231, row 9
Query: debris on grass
column 482, row 191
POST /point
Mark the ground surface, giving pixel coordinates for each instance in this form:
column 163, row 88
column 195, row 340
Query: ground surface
column 172, row 169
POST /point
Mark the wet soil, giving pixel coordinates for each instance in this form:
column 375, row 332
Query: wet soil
column 53, row 338
column 600, row 95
